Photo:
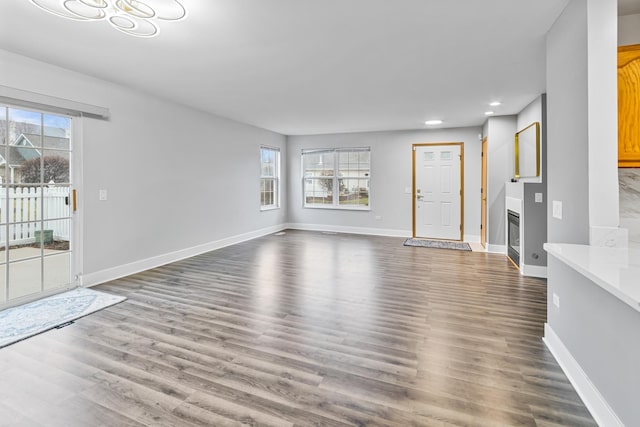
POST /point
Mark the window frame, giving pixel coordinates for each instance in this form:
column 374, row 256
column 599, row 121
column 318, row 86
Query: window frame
column 275, row 178
column 335, row 202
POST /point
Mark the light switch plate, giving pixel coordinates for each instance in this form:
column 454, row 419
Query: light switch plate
column 557, row 209
column 538, row 197
column 102, row 195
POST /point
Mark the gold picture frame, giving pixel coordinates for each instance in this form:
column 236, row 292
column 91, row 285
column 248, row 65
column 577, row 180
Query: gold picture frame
column 527, row 150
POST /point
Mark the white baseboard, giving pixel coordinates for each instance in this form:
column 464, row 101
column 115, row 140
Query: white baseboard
column 497, row 249
column 471, row 238
column 102, row 276
column 350, row 230
column 534, row 271
column 593, row 400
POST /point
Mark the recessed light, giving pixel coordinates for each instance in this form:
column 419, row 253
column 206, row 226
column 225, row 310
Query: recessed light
column 495, row 103
column 488, row 113
column 433, row 122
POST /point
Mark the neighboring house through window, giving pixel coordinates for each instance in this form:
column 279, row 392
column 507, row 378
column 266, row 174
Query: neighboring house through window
column 269, row 178
column 336, row 178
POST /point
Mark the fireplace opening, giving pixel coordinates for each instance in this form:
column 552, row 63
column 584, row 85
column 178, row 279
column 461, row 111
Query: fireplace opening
column 513, row 238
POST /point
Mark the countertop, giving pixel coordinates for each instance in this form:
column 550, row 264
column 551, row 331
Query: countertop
column 617, row 270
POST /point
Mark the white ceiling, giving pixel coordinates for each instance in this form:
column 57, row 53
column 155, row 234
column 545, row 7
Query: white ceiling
column 315, row 66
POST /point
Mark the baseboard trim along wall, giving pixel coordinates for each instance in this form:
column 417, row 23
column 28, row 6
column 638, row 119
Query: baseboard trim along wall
column 534, row 271
column 102, row 276
column 593, row 400
column 350, row 230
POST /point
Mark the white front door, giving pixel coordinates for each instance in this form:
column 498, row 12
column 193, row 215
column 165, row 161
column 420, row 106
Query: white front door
column 438, row 191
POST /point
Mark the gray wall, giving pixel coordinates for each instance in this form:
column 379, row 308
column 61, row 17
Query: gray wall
column 567, row 127
column 390, row 176
column 535, row 230
column 176, row 177
column 629, row 30
column 529, row 114
column 500, row 133
column 601, row 333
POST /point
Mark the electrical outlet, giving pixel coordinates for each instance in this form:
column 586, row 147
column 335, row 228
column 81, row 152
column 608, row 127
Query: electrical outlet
column 557, row 209
column 556, row 300
column 538, row 198
column 378, row 217
column 102, row 195
column 407, row 190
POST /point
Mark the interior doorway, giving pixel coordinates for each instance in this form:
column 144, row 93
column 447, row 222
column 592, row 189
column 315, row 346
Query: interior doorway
column 438, row 176
column 483, row 194
column 37, row 204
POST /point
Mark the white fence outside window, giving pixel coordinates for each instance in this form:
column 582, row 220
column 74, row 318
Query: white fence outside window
column 25, row 213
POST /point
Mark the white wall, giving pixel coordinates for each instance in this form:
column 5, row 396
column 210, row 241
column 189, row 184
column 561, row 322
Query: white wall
column 391, row 174
column 582, row 173
column 582, row 124
column 176, row 177
column 629, row 30
column 567, row 127
column 602, row 119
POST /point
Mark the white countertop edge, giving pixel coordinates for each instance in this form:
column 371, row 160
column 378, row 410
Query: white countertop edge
column 555, row 249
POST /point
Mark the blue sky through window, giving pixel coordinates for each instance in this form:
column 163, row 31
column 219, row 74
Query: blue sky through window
column 33, row 117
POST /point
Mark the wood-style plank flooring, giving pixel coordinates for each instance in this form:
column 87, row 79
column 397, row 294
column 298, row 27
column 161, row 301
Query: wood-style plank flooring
column 304, row 329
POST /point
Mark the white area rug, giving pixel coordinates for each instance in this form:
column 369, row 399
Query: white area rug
column 24, row 321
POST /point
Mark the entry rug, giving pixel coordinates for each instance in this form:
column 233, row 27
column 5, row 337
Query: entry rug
column 24, row 321
column 439, row 244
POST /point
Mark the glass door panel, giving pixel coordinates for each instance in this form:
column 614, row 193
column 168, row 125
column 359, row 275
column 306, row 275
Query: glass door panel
column 56, row 169
column 3, row 276
column 25, row 278
column 57, row 236
column 24, row 240
column 56, row 202
column 35, row 203
column 57, row 269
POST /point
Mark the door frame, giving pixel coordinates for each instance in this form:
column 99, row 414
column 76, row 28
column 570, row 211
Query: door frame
column 483, row 191
column 413, row 183
column 76, row 226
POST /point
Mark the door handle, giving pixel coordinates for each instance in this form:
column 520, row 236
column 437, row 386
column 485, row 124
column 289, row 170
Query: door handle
column 419, row 197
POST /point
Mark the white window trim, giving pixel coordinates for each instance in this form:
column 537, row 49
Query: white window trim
column 276, row 204
column 335, row 205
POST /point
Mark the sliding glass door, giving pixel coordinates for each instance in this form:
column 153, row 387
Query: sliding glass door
column 36, row 204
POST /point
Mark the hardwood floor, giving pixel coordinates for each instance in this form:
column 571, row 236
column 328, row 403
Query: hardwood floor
column 304, row 329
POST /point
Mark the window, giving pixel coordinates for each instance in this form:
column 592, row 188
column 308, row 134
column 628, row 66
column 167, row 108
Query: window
column 336, row 178
column 269, row 178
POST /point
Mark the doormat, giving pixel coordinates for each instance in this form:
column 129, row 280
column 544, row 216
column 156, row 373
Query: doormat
column 438, row 244
column 24, row 321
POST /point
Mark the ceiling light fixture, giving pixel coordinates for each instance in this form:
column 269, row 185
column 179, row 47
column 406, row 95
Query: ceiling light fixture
column 495, row 103
column 133, row 17
column 433, row 122
column 488, row 113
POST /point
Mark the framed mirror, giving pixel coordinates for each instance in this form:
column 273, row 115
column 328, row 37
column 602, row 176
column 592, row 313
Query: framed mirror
column 528, row 151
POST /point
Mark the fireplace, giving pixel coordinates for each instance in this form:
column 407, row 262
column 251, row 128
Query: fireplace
column 513, row 237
